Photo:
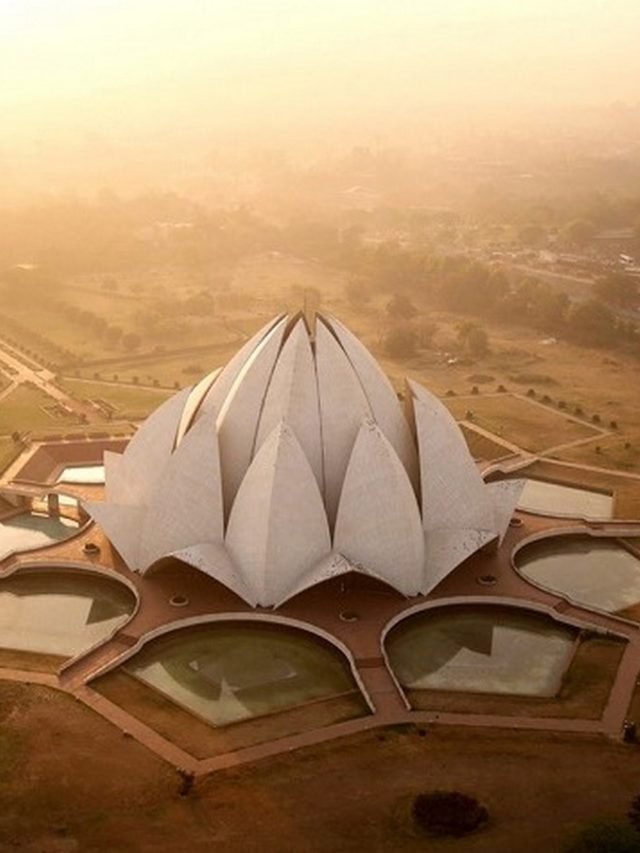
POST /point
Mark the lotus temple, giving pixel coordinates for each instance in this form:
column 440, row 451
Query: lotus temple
column 293, row 550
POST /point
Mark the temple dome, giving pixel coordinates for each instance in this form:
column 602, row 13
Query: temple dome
column 295, row 463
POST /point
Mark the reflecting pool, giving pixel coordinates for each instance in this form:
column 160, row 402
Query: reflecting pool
column 32, row 530
column 481, row 650
column 58, row 612
column 596, row 572
column 86, row 475
column 233, row 671
column 554, row 499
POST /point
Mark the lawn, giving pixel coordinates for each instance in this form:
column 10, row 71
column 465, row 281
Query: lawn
column 184, row 369
column 529, row 425
column 22, row 410
column 128, row 401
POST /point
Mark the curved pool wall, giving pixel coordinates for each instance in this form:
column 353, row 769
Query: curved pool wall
column 596, row 572
column 481, row 648
column 27, row 531
column 60, row 611
column 544, row 497
column 82, row 475
column 228, row 671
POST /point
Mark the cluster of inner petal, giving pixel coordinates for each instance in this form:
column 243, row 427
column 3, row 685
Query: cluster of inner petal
column 296, row 463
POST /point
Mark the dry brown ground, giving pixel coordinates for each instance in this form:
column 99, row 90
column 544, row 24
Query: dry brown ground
column 482, row 447
column 31, row 661
column 529, row 425
column 71, row 782
column 611, row 451
column 202, row 740
column 583, row 695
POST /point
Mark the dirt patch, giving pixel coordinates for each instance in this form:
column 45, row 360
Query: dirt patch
column 532, row 379
column 621, row 451
column 202, row 740
column 30, row 661
column 480, row 378
column 70, row 781
column 529, row 425
column 482, row 447
column 583, row 694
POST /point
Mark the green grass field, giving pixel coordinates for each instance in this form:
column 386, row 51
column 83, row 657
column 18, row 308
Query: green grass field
column 129, row 402
column 184, row 369
column 22, row 410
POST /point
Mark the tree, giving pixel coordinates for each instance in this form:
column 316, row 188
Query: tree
column 400, row 342
column 617, row 289
column 452, row 813
column 532, row 235
column 400, row 307
column 579, row 232
column 131, row 341
column 592, row 323
column 473, row 338
column 357, row 293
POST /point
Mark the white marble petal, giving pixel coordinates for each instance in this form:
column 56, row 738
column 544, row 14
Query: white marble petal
column 446, row 549
column 504, row 495
column 278, row 528
column 292, row 396
column 186, row 507
column 237, row 421
column 122, row 525
column 343, row 407
column 378, row 524
column 382, row 398
column 454, row 495
column 214, row 560
column 214, row 399
column 143, row 461
column 194, row 401
column 116, row 486
column 331, row 566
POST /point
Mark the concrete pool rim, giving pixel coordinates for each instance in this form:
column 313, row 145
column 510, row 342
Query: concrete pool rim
column 505, row 602
column 229, row 617
column 616, row 537
column 70, row 567
column 76, row 532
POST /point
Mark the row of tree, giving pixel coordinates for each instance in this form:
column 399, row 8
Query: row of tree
column 468, row 287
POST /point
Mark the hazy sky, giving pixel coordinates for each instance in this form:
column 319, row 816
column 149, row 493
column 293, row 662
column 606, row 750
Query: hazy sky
column 152, row 70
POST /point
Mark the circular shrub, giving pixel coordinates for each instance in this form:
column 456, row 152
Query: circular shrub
column 448, row 813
